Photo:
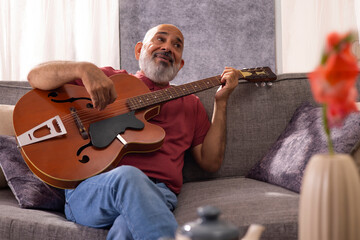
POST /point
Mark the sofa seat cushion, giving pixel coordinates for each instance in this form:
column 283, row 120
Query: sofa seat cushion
column 243, row 201
column 20, row 223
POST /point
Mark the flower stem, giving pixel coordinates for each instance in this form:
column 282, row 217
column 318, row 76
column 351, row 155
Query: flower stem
column 327, row 130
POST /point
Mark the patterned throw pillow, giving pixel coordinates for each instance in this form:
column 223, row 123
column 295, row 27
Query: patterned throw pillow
column 27, row 188
column 285, row 162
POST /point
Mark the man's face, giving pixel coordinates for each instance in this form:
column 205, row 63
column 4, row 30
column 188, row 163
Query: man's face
column 160, row 56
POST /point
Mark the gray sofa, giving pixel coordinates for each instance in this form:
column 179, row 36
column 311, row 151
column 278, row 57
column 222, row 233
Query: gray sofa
column 256, row 117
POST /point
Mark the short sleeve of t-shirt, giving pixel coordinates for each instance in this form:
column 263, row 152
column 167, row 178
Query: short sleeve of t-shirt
column 109, row 71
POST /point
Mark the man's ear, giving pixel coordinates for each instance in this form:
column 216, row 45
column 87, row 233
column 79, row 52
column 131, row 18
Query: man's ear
column 138, row 48
column 181, row 64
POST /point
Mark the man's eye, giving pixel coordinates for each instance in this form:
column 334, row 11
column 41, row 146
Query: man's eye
column 177, row 45
column 160, row 39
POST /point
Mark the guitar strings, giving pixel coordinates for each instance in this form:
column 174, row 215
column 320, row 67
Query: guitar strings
column 114, row 109
column 88, row 116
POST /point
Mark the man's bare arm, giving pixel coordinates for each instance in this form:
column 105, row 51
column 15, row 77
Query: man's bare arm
column 210, row 153
column 52, row 75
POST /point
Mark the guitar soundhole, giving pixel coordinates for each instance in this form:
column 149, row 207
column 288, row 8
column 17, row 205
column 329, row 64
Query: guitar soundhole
column 84, row 159
column 53, row 94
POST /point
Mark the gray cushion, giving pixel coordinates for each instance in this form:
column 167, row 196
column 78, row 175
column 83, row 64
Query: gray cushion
column 304, row 136
column 28, row 189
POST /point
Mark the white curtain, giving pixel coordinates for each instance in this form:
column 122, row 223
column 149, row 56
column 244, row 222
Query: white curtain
column 304, row 25
column 32, row 32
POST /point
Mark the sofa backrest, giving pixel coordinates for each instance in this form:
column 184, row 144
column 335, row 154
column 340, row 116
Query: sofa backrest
column 12, row 91
column 256, row 118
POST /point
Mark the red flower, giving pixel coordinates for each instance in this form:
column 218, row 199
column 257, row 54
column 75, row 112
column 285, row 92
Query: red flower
column 333, row 82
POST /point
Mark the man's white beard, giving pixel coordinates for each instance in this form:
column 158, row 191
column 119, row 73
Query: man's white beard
column 157, row 73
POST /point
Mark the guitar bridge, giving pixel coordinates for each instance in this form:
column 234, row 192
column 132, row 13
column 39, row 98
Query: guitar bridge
column 54, row 126
column 79, row 125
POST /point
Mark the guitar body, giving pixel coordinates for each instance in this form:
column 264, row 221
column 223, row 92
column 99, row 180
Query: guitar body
column 64, row 161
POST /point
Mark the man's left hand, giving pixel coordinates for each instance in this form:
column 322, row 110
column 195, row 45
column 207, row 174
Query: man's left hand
column 229, row 79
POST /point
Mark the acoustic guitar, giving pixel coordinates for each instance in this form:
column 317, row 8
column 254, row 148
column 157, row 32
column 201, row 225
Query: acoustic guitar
column 64, row 140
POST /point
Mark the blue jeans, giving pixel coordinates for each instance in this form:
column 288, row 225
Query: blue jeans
column 126, row 201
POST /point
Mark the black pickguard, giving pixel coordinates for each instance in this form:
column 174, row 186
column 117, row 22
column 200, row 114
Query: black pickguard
column 103, row 132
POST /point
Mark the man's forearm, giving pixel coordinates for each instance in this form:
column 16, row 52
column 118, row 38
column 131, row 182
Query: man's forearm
column 214, row 144
column 51, row 75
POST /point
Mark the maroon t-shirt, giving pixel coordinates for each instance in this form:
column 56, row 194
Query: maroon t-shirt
column 185, row 122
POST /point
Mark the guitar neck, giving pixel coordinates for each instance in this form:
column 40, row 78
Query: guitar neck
column 171, row 93
column 262, row 74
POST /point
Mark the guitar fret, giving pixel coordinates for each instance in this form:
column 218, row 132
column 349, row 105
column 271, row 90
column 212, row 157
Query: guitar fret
column 192, row 87
column 169, row 92
column 202, row 85
column 177, row 92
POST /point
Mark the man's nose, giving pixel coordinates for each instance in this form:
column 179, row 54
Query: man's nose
column 167, row 47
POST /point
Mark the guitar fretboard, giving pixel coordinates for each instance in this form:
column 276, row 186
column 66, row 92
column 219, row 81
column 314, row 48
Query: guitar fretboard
column 171, row 93
column 250, row 74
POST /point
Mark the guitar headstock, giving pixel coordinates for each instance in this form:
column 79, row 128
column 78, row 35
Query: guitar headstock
column 259, row 74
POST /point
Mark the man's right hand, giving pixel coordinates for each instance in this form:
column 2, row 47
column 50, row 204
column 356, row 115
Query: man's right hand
column 98, row 85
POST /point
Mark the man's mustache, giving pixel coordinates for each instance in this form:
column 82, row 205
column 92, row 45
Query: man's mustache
column 165, row 55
